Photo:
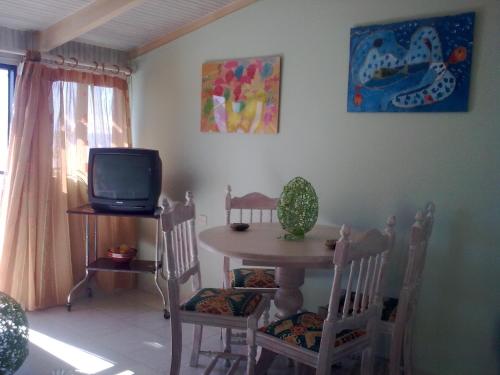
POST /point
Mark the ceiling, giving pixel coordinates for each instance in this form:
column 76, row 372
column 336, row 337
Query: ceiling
column 149, row 21
column 131, row 29
column 36, row 14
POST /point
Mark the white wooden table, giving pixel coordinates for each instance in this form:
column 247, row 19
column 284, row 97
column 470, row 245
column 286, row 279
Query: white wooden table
column 261, row 245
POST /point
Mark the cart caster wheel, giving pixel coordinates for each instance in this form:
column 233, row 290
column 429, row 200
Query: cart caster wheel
column 68, row 307
column 166, row 314
column 89, row 292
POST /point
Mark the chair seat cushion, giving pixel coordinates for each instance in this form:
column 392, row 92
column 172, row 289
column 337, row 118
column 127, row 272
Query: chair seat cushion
column 223, row 302
column 252, row 278
column 305, row 330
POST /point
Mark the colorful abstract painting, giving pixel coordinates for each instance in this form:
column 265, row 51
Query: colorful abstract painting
column 414, row 66
column 241, row 95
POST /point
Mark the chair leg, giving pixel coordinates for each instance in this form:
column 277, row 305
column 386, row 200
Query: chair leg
column 195, row 353
column 265, row 360
column 367, row 361
column 176, row 346
column 227, row 340
column 297, row 368
column 227, row 344
column 252, row 351
column 324, row 368
column 301, row 369
column 407, row 351
column 266, row 316
column 397, row 339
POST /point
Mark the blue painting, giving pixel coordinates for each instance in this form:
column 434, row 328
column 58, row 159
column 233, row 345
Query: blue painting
column 414, row 66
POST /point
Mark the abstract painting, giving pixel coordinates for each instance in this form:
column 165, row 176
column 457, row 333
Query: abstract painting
column 241, row 95
column 414, row 66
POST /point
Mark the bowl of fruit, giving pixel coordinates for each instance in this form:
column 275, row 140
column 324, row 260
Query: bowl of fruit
column 122, row 253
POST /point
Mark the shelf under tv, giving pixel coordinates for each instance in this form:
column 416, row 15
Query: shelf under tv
column 95, row 263
column 87, row 209
column 134, row 266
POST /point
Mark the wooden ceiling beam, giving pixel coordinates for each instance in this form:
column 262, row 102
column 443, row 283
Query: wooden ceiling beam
column 88, row 18
column 195, row 25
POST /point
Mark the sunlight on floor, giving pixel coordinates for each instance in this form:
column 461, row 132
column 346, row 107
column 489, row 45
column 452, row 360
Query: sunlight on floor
column 83, row 361
column 155, row 345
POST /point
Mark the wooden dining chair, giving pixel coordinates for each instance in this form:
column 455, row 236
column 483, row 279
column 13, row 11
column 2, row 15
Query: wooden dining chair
column 398, row 314
column 251, row 208
column 318, row 343
column 225, row 308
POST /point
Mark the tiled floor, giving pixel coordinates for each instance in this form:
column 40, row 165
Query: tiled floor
column 123, row 333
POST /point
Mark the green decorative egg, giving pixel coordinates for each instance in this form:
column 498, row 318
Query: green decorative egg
column 13, row 335
column 298, row 208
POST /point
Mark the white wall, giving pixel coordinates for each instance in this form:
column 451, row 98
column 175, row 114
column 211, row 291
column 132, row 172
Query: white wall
column 364, row 166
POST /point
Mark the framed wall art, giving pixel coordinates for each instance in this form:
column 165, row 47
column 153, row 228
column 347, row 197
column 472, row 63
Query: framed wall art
column 420, row 65
column 241, row 95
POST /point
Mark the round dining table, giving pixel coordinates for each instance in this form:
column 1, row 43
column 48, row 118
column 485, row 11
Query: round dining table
column 263, row 244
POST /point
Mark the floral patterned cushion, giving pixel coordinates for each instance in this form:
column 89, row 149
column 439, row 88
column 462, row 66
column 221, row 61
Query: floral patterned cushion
column 252, row 278
column 223, row 302
column 305, row 330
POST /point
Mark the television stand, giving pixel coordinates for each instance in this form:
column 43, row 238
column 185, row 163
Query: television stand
column 106, row 264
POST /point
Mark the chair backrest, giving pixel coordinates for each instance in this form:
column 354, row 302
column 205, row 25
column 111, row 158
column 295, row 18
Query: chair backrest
column 362, row 262
column 258, row 207
column 181, row 251
column 420, row 234
column 402, row 331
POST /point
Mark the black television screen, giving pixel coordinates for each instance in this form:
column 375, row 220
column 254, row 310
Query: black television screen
column 124, row 179
column 129, row 172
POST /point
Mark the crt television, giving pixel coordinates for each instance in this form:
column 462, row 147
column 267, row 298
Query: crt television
column 124, row 179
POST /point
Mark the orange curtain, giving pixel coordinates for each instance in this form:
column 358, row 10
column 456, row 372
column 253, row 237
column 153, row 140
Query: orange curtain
column 58, row 115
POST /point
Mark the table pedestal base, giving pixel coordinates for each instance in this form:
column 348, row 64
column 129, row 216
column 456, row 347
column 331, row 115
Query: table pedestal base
column 288, row 298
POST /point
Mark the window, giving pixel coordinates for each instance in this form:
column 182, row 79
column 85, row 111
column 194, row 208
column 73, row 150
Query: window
column 7, row 79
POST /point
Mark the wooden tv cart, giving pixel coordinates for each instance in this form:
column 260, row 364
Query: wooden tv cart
column 96, row 263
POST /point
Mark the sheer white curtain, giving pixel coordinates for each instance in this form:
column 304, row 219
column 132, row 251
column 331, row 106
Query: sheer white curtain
column 90, row 114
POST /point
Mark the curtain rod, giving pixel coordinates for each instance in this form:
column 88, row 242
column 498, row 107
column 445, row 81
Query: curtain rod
column 74, row 63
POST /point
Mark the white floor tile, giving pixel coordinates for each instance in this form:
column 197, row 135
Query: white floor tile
column 126, row 330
